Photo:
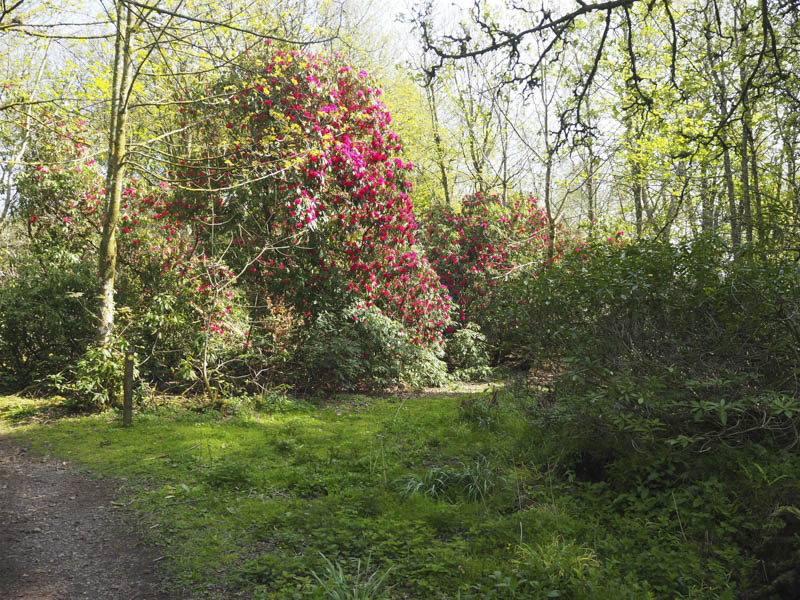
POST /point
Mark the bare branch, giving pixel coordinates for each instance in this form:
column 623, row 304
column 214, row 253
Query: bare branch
column 194, row 19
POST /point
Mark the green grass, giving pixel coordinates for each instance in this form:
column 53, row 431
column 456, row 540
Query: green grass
column 417, row 497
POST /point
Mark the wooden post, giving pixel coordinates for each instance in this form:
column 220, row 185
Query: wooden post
column 127, row 392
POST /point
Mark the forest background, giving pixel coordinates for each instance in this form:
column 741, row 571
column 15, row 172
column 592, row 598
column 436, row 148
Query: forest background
column 597, row 201
column 570, row 128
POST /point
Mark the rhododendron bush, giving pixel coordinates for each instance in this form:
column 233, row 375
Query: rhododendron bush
column 298, row 183
column 479, row 247
column 60, row 189
column 61, row 203
column 283, row 200
column 300, row 171
column 46, row 288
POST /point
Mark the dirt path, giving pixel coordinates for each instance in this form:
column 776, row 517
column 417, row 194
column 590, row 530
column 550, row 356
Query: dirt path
column 62, row 539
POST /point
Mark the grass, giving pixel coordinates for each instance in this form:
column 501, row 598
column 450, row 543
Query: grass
column 414, row 497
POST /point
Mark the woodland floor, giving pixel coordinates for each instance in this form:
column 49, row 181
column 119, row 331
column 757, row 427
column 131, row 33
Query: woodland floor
column 62, row 536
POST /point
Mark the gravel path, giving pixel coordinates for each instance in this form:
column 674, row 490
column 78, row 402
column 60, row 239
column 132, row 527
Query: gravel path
column 61, row 537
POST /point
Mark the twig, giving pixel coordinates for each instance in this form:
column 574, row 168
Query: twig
column 171, row 453
column 678, row 514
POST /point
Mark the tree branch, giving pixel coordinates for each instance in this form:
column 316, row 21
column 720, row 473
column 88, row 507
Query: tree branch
column 165, row 11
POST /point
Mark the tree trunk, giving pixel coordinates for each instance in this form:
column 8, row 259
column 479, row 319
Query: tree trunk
column 791, row 176
column 745, row 208
column 706, row 202
column 736, row 236
column 721, row 93
column 504, row 164
column 590, row 192
column 115, row 170
column 551, row 225
column 127, row 391
column 16, row 156
column 9, row 184
column 437, row 142
column 792, row 179
column 757, row 188
column 637, row 197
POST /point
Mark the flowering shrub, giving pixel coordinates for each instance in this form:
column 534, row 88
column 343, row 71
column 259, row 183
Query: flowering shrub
column 61, row 204
column 478, row 249
column 47, row 289
column 291, row 193
column 302, row 177
column 60, row 189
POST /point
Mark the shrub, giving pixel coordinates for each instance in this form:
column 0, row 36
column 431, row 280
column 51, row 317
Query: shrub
column 478, row 248
column 466, row 353
column 365, row 348
column 685, row 305
column 669, row 342
column 46, row 317
column 94, row 381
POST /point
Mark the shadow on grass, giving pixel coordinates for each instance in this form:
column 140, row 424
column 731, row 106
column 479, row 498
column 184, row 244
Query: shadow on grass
column 16, row 411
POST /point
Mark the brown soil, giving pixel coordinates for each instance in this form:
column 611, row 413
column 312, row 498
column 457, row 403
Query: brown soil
column 63, row 538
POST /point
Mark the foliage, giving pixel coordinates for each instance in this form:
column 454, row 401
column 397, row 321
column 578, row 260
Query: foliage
column 478, row 249
column 670, row 342
column 94, row 381
column 48, row 287
column 270, row 343
column 336, row 585
column 365, row 348
column 281, row 245
column 45, row 316
column 466, row 353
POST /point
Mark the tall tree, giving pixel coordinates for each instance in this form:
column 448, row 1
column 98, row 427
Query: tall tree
column 689, row 80
column 159, row 50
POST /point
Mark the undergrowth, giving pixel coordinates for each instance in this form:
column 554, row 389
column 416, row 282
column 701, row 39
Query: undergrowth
column 476, row 495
